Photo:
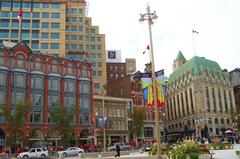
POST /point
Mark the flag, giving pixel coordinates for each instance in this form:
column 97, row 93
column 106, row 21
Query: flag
column 20, row 14
column 194, row 31
column 147, row 48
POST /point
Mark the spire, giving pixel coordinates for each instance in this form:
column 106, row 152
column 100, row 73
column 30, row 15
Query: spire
column 180, row 56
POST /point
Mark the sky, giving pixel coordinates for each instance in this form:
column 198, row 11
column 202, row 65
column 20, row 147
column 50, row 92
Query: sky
column 217, row 23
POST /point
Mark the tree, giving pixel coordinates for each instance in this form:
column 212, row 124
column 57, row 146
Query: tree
column 15, row 122
column 62, row 118
column 139, row 115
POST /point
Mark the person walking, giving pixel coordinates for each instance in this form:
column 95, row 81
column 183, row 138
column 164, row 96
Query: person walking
column 118, row 150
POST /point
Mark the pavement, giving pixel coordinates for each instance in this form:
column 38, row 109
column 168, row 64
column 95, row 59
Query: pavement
column 219, row 154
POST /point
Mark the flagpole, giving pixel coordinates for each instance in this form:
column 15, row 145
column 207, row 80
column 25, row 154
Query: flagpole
column 21, row 21
column 194, row 48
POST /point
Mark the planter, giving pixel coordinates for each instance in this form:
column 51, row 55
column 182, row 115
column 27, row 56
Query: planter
column 201, row 156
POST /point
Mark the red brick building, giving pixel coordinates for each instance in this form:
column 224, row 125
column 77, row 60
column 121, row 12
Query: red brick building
column 46, row 81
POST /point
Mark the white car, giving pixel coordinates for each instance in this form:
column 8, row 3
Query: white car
column 71, row 151
column 34, row 153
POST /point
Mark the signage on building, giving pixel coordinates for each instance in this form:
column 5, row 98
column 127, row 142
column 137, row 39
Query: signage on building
column 112, row 54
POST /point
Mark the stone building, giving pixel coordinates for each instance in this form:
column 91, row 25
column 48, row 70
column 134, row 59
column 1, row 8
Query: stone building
column 199, row 98
column 235, row 81
column 115, row 112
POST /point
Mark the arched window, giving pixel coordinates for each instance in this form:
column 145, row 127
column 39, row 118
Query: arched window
column 55, row 67
column 216, row 120
column 37, row 64
column 69, row 69
column 20, row 61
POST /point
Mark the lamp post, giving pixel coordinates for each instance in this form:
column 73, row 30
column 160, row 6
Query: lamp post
column 103, row 93
column 150, row 17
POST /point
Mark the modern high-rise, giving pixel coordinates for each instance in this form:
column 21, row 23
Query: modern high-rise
column 56, row 27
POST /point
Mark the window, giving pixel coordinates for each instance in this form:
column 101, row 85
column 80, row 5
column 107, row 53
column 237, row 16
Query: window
column 36, row 15
column 55, row 6
column 54, row 84
column 85, row 118
column 80, row 19
column 73, row 37
column 20, row 62
column 54, row 46
column 45, row 25
column 80, row 28
column 3, row 79
column 44, row 46
column 26, row 5
column 96, row 85
column 85, row 103
column 45, row 15
column 36, row 116
column 19, row 80
column 45, row 5
column 73, row 28
column 73, row 19
column 18, row 97
column 80, row 37
column 37, row 82
column 69, row 86
column 55, row 16
column 16, row 4
column 55, row 25
column 35, row 24
column 35, row 45
column 6, row 4
column 85, row 88
column 35, row 35
column 26, row 15
column 99, row 39
column 36, row 5
column 53, row 100
column 2, row 58
column 5, row 14
column 2, row 97
column 37, row 100
column 55, row 35
column 44, row 35
column 69, row 102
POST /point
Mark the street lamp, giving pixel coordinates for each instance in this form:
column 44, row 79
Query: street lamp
column 150, row 17
column 103, row 93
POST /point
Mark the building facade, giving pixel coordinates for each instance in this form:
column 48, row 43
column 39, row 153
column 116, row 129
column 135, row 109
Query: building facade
column 130, row 65
column 235, row 81
column 115, row 71
column 115, row 121
column 199, row 98
column 56, row 27
column 46, row 82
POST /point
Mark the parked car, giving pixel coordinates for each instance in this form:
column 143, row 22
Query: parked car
column 71, row 151
column 123, row 147
column 34, row 153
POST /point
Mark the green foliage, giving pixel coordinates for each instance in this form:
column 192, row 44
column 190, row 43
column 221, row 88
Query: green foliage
column 187, row 147
column 139, row 115
column 194, row 155
column 62, row 117
column 15, row 121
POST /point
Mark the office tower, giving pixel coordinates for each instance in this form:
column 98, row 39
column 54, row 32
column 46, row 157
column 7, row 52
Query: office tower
column 55, row 27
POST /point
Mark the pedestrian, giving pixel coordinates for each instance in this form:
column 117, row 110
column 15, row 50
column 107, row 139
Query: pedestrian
column 118, row 150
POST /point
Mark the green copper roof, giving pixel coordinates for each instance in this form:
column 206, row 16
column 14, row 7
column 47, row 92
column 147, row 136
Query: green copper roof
column 180, row 56
column 194, row 64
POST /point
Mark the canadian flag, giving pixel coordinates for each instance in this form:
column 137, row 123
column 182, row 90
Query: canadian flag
column 147, row 48
column 194, row 31
column 20, row 14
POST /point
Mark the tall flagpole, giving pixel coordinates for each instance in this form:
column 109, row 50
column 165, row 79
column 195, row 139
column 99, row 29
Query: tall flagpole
column 194, row 48
column 20, row 19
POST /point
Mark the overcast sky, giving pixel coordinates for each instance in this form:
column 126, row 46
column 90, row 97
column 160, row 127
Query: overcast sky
column 217, row 21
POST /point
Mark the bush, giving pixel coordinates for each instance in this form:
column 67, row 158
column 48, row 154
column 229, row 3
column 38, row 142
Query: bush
column 194, row 155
